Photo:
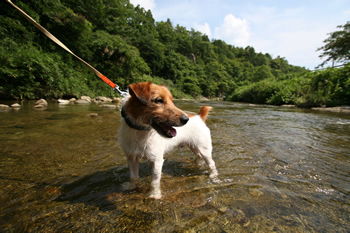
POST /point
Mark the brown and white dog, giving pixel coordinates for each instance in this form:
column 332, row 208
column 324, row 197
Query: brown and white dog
column 153, row 125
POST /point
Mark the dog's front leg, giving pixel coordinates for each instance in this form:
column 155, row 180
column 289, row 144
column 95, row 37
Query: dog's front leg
column 133, row 164
column 156, row 175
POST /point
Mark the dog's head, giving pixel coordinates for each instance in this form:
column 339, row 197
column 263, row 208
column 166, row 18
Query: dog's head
column 152, row 105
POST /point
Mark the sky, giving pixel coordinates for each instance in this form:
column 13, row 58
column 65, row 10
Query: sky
column 293, row 29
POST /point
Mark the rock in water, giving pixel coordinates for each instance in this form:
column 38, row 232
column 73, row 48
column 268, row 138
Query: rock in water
column 61, row 101
column 4, row 108
column 82, row 101
column 87, row 98
column 42, row 102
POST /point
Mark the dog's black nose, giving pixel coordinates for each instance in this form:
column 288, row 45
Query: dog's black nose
column 184, row 119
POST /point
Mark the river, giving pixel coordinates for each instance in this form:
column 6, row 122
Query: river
column 281, row 170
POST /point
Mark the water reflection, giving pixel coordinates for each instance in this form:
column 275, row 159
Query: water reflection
column 281, row 170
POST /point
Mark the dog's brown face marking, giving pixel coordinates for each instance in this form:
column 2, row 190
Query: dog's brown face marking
column 153, row 105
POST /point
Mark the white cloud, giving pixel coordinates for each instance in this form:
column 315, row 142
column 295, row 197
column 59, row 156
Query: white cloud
column 147, row 4
column 287, row 33
column 205, row 29
column 291, row 29
column 234, row 31
column 299, row 46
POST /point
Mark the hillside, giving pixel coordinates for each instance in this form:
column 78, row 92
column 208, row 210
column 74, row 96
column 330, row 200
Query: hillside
column 127, row 45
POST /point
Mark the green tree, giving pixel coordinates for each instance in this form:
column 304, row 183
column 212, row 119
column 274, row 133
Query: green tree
column 166, row 34
column 146, row 39
column 118, row 59
column 262, row 72
column 126, row 44
column 93, row 10
column 183, row 42
column 218, row 79
column 337, row 46
column 70, row 28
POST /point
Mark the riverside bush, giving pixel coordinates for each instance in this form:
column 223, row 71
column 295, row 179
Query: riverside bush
column 26, row 72
column 330, row 87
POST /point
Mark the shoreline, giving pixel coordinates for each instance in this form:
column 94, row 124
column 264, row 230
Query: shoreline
column 337, row 109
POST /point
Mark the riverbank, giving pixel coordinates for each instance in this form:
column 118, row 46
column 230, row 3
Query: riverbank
column 6, row 105
column 42, row 104
column 342, row 109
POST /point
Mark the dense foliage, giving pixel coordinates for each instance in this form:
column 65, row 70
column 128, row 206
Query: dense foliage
column 126, row 44
column 330, row 87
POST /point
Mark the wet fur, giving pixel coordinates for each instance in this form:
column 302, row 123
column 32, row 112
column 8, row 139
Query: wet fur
column 151, row 106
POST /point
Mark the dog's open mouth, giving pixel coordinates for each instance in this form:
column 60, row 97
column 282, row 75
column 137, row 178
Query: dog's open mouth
column 164, row 130
column 170, row 131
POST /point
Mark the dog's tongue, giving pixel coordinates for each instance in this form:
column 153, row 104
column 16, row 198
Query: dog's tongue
column 170, row 131
column 173, row 132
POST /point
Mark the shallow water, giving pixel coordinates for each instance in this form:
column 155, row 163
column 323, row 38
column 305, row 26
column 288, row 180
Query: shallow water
column 282, row 170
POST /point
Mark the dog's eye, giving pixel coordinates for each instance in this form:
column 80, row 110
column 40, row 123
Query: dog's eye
column 158, row 101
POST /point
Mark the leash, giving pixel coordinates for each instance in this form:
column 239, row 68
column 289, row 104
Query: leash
column 54, row 39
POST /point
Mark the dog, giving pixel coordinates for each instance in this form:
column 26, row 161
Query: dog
column 152, row 125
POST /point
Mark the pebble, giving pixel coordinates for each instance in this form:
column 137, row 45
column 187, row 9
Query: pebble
column 111, row 106
column 82, row 101
column 92, row 114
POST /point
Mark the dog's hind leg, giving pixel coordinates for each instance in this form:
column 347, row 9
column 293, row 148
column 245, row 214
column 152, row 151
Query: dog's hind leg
column 205, row 153
column 156, row 175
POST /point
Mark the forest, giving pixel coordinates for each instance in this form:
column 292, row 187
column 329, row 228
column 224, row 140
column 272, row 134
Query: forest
column 126, row 44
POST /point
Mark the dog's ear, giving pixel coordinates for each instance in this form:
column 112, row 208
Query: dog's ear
column 141, row 91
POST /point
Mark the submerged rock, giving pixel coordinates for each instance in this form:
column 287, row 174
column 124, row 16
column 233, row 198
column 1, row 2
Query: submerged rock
column 62, row 101
column 110, row 106
column 103, row 99
column 16, row 106
column 82, row 101
column 39, row 107
column 87, row 98
column 92, row 115
column 4, row 108
column 118, row 102
column 41, row 102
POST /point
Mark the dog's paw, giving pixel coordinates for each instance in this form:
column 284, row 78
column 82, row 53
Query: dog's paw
column 155, row 195
column 213, row 173
column 214, row 176
column 155, row 192
column 128, row 186
column 216, row 180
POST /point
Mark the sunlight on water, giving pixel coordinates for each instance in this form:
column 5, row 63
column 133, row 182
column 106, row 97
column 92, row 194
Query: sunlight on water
column 281, row 169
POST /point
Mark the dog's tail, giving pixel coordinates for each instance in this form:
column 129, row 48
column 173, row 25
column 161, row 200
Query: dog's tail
column 203, row 112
